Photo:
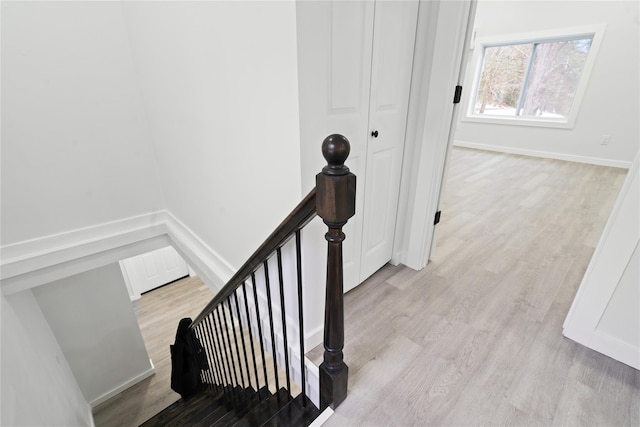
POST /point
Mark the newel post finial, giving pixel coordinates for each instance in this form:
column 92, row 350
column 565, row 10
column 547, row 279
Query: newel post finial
column 335, row 204
column 335, row 149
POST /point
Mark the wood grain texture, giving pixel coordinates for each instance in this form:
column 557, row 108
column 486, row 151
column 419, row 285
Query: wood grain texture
column 476, row 337
column 159, row 312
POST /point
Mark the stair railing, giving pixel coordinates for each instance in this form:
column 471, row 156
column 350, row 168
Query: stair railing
column 235, row 349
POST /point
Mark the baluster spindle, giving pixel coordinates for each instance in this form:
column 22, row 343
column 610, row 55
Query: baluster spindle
column 225, row 331
column 244, row 345
column 335, row 204
column 220, row 332
column 203, row 374
column 207, row 378
column 210, row 322
column 255, row 300
column 210, row 356
column 235, row 342
column 253, row 350
column 214, row 365
column 284, row 320
column 273, row 338
column 300, row 315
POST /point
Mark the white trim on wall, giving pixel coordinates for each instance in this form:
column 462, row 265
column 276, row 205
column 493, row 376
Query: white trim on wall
column 32, row 263
column 429, row 125
column 544, row 154
column 122, row 387
column 29, row 255
column 50, row 269
column 40, row 261
column 212, row 268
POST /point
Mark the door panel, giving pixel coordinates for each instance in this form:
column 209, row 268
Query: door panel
column 343, row 91
column 393, row 43
column 351, row 39
column 347, row 58
column 148, row 271
column 334, row 60
column 381, row 183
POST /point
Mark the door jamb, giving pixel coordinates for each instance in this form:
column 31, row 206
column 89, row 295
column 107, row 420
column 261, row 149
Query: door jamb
column 429, row 125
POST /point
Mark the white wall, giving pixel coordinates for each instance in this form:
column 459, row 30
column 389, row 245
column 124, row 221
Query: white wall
column 38, row 387
column 611, row 102
column 93, row 320
column 220, row 86
column 75, row 143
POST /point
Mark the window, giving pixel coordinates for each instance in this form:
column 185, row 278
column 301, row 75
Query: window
column 538, row 81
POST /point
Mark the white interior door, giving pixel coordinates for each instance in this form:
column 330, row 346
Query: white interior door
column 349, row 82
column 148, row 271
column 334, row 61
column 393, row 43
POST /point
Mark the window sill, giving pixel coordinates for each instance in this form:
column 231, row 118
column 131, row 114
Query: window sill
column 519, row 121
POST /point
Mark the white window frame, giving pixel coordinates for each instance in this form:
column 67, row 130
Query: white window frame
column 473, row 79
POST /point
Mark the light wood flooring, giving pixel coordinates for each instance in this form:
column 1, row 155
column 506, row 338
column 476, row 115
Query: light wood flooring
column 159, row 312
column 475, row 338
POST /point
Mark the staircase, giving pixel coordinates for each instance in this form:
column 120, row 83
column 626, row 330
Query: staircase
column 238, row 407
column 229, row 363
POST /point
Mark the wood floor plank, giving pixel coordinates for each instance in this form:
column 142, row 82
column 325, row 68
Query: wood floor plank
column 487, row 312
column 476, row 337
column 159, row 313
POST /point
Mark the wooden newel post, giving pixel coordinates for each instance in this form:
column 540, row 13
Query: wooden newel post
column 335, row 204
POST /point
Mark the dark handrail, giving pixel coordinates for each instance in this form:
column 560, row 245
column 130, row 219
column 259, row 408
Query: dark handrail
column 298, row 218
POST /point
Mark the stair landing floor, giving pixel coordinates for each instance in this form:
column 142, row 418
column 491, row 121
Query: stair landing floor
column 475, row 338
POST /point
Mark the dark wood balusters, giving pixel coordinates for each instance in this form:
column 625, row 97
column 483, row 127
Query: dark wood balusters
column 335, row 204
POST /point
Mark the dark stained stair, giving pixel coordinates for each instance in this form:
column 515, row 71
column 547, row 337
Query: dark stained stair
column 237, row 407
column 229, row 347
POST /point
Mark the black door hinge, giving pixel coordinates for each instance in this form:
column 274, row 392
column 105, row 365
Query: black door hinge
column 457, row 95
column 437, row 218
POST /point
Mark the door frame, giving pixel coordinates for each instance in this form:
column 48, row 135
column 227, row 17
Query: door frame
column 444, row 30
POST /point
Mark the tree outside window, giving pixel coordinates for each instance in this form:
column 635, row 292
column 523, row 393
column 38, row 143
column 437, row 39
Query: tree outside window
column 537, row 79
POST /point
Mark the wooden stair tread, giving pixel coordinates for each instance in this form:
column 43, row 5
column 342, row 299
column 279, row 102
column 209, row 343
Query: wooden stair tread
column 265, row 410
column 182, row 406
column 241, row 408
column 295, row 414
column 212, row 412
column 235, row 406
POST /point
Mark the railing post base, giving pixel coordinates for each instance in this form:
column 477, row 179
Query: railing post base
column 333, row 385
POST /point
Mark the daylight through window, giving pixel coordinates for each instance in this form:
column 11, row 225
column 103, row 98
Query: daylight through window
column 535, row 80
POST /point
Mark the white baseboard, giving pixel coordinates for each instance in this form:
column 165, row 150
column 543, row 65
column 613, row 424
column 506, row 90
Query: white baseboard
column 91, row 421
column 544, row 154
column 607, row 345
column 313, row 382
column 314, row 338
column 212, row 268
column 322, row 418
column 122, row 387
